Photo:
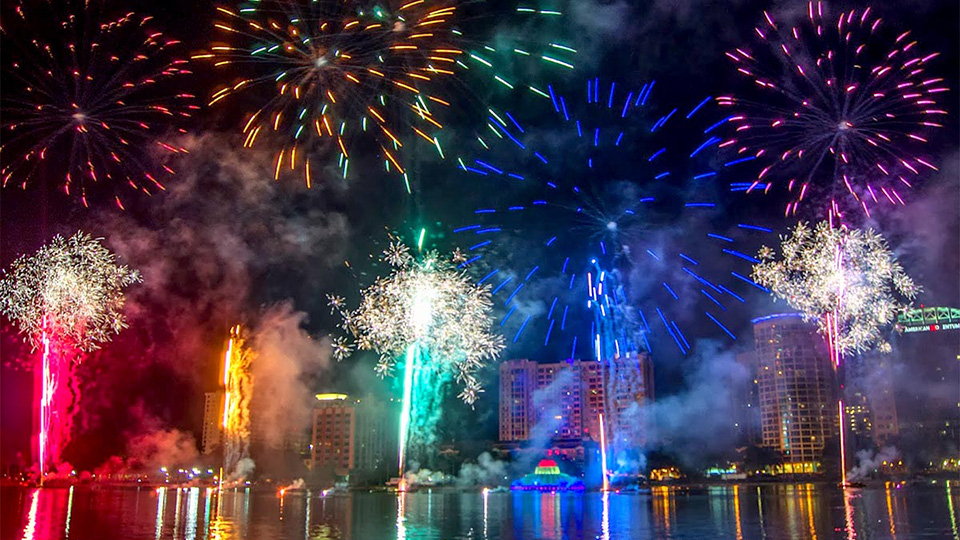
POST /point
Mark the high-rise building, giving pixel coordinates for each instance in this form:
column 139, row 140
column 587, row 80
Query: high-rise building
column 796, row 387
column 354, row 434
column 518, row 380
column 212, row 421
column 563, row 400
column 375, row 434
column 568, row 397
column 927, row 347
column 747, row 401
column 332, row 443
column 883, row 403
column 869, row 401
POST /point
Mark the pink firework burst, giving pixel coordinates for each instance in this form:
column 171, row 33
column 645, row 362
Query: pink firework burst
column 839, row 111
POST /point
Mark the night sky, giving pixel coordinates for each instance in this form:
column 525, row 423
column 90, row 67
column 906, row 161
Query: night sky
column 226, row 243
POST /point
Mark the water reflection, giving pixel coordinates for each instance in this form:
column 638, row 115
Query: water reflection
column 801, row 512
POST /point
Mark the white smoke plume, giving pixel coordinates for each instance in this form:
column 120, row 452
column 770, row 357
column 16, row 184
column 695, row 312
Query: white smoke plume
column 487, row 471
column 869, row 461
column 287, row 358
column 416, row 476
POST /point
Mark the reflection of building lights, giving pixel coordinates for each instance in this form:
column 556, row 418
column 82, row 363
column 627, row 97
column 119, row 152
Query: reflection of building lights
column 736, row 511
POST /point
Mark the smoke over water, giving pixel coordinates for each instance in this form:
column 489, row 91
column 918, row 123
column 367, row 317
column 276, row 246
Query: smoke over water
column 869, row 461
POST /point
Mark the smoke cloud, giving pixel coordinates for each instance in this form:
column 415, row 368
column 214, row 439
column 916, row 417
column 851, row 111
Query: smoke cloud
column 223, row 239
column 163, row 448
column 868, row 461
column 487, row 471
column 287, row 362
column 698, row 421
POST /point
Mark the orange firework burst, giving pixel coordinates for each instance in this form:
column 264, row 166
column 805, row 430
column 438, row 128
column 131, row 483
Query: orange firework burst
column 93, row 99
column 335, row 68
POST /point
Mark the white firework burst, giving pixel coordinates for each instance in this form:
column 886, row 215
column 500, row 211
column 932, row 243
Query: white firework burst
column 427, row 302
column 847, row 272
column 72, row 287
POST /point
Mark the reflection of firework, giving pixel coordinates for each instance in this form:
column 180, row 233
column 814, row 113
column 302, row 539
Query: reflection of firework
column 337, row 68
column 67, row 298
column 237, row 392
column 91, row 98
column 595, row 190
column 430, row 303
column 842, row 110
column 846, row 279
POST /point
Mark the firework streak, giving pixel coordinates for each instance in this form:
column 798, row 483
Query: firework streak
column 842, row 110
column 68, row 299
column 237, row 392
column 93, row 107
column 322, row 72
column 595, row 187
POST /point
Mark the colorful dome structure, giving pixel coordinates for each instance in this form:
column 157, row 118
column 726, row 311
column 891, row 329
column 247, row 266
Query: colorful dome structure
column 547, row 477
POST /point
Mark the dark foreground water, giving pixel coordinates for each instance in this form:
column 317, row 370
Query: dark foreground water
column 742, row 512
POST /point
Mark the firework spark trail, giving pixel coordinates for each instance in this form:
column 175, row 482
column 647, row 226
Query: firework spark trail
column 603, row 455
column 336, row 70
column 67, row 298
column 430, row 313
column 237, row 393
column 840, row 110
column 567, row 185
column 92, row 108
column 847, row 280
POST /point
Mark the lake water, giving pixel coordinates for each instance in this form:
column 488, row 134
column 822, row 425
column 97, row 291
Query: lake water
column 738, row 512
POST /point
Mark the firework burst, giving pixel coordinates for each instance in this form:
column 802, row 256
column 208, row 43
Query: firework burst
column 842, row 109
column 321, row 72
column 91, row 100
column 72, row 287
column 846, row 279
column 581, row 206
column 428, row 302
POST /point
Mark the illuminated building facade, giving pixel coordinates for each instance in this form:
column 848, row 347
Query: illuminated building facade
column 518, row 379
column 332, row 441
column 547, row 477
column 747, row 402
column 569, row 396
column 375, row 434
column 563, row 401
column 796, row 388
column 354, row 435
column 212, row 428
column 928, row 402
